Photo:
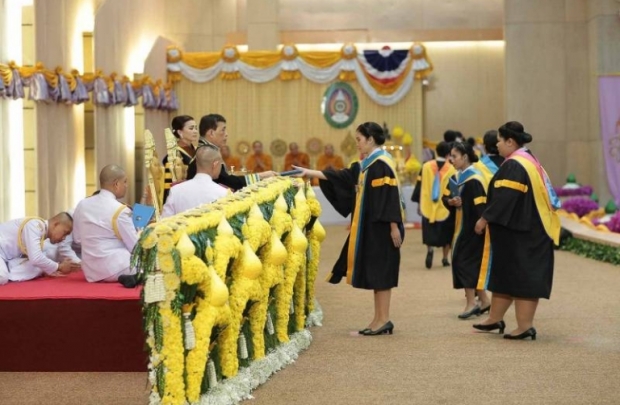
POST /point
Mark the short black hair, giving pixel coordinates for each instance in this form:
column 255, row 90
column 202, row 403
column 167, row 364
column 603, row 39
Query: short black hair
column 443, row 149
column 208, row 122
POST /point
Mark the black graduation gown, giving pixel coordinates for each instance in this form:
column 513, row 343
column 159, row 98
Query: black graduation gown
column 187, row 158
column 440, row 233
column 377, row 261
column 225, row 179
column 467, row 246
column 522, row 252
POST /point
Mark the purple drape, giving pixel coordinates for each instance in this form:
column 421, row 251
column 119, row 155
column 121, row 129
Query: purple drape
column 609, row 103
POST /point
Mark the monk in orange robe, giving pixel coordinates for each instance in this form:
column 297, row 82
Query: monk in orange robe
column 233, row 163
column 259, row 161
column 295, row 157
column 329, row 160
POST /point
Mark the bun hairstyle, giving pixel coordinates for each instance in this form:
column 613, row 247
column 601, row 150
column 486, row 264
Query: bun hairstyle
column 514, row 130
column 490, row 142
column 178, row 123
column 374, row 130
column 466, row 149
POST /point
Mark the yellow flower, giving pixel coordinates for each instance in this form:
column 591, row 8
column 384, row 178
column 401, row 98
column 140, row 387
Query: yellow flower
column 194, row 270
column 163, row 229
column 150, row 241
column 166, row 263
column 171, row 281
column 165, row 244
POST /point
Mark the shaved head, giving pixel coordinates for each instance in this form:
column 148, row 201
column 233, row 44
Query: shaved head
column 59, row 226
column 205, row 157
column 110, row 174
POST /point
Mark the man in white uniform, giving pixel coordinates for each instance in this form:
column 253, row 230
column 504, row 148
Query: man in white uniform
column 201, row 189
column 21, row 247
column 105, row 230
column 63, row 250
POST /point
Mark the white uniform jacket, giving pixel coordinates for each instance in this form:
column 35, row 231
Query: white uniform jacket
column 192, row 193
column 104, row 228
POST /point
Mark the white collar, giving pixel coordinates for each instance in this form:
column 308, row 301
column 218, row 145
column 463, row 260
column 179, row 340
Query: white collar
column 440, row 159
column 203, row 176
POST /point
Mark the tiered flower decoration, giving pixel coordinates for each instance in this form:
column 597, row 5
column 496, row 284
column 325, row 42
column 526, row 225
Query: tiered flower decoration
column 226, row 284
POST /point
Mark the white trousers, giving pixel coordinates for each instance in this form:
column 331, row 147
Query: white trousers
column 19, row 269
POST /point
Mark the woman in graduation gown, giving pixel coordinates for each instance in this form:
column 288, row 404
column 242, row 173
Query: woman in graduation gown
column 523, row 227
column 184, row 128
column 467, row 247
column 437, row 219
column 370, row 258
column 489, row 163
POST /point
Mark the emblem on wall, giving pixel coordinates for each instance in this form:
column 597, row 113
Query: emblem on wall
column 339, row 105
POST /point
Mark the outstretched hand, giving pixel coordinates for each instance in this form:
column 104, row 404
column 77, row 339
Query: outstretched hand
column 267, row 174
column 303, row 171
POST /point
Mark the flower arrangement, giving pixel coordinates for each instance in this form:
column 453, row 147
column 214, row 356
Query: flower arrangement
column 580, row 206
column 226, row 286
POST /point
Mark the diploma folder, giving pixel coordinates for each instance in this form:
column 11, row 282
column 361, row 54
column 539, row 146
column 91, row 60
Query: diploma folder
column 142, row 215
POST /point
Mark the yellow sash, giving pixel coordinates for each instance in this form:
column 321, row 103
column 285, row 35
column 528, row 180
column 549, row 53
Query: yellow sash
column 548, row 216
column 484, row 170
column 434, row 211
column 20, row 242
column 115, row 221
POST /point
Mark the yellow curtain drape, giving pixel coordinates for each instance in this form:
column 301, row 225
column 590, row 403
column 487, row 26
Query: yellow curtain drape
column 291, row 111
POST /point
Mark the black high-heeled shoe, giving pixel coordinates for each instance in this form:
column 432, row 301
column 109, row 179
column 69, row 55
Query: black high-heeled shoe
column 531, row 332
column 501, row 325
column 361, row 332
column 486, row 309
column 429, row 259
column 388, row 329
column 445, row 262
column 474, row 311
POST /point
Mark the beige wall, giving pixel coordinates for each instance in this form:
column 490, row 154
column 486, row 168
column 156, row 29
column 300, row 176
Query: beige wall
column 466, row 88
column 555, row 51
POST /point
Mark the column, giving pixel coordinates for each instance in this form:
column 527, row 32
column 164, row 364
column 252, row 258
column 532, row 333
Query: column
column 60, row 128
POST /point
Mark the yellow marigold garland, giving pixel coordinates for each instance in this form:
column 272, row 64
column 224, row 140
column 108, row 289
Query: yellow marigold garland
column 281, row 266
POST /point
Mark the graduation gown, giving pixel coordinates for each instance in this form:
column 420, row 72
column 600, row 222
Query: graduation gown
column 522, row 233
column 467, row 246
column 371, row 193
column 187, row 154
column 437, row 220
column 225, row 179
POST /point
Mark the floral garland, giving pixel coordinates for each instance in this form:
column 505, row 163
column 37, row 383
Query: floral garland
column 212, row 276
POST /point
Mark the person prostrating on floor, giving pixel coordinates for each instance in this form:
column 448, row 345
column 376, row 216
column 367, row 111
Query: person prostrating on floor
column 523, row 226
column 104, row 227
column 370, row 258
column 468, row 247
column 21, row 247
column 437, row 219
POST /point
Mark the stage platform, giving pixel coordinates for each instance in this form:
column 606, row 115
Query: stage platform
column 68, row 324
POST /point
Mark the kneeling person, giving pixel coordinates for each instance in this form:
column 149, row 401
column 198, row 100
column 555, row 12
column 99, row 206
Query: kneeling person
column 21, row 247
column 105, row 229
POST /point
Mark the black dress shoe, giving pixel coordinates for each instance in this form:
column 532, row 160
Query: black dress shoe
column 501, row 325
column 429, row 259
column 474, row 311
column 485, row 309
column 531, row 332
column 128, row 281
column 386, row 329
column 445, row 262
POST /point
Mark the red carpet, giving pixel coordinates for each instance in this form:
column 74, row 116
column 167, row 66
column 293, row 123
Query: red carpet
column 68, row 324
